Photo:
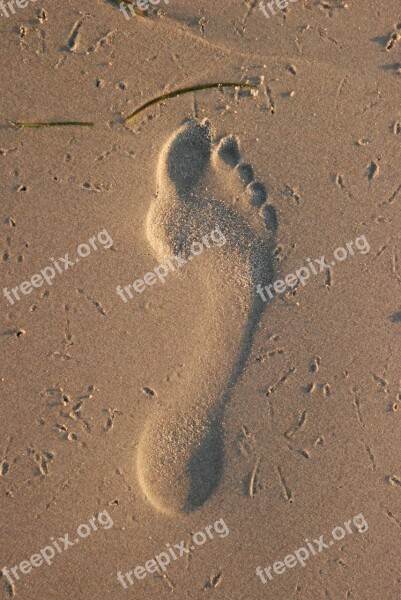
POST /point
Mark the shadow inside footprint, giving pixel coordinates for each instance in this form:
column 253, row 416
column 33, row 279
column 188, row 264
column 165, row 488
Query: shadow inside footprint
column 205, row 468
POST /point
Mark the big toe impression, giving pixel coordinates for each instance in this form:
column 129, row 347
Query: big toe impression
column 189, row 156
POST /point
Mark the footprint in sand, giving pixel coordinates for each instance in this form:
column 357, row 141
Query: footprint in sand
column 180, row 455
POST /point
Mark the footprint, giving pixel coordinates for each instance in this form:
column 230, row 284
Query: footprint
column 202, row 185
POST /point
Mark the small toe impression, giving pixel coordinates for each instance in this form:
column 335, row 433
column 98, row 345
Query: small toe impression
column 189, row 156
column 228, row 151
column 258, row 193
column 245, row 172
column 270, row 216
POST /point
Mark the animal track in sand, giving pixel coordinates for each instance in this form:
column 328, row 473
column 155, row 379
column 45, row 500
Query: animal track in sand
column 203, row 184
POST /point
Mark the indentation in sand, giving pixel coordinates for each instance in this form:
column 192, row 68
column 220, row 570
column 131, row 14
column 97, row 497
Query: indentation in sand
column 201, row 185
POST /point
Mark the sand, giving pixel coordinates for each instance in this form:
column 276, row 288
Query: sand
column 195, row 431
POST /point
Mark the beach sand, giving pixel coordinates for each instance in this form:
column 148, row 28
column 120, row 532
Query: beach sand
column 190, row 414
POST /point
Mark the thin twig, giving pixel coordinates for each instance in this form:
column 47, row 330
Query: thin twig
column 53, row 124
column 195, row 88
